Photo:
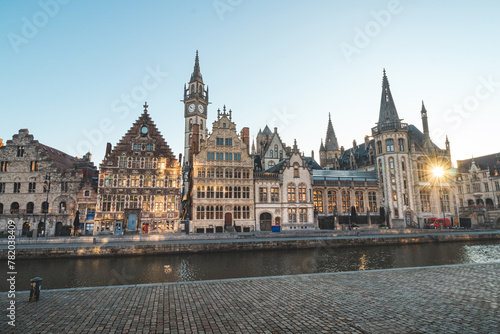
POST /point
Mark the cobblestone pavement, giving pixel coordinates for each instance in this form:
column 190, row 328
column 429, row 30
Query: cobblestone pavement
column 443, row 299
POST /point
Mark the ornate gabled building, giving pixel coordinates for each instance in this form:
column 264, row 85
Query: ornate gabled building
column 40, row 186
column 329, row 152
column 283, row 194
column 222, row 179
column 270, row 147
column 139, row 183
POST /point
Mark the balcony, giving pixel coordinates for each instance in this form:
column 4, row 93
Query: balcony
column 386, row 127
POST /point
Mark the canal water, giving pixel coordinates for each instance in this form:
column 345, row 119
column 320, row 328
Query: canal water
column 70, row 273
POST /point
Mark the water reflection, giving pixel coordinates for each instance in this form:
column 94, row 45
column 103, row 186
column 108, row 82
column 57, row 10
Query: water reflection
column 67, row 273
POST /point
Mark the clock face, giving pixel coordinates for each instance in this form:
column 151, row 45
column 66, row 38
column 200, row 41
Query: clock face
column 191, row 107
column 201, row 109
column 144, row 129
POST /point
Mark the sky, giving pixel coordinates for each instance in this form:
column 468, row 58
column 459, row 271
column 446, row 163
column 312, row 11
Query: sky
column 76, row 73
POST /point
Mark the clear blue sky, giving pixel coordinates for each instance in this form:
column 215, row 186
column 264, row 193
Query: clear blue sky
column 66, row 68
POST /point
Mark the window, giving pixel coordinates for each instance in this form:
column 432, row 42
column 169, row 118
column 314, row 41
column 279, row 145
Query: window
column 445, row 201
column 401, row 144
column 32, row 187
column 201, row 191
column 389, row 144
column 137, row 147
column 295, row 170
column 219, row 173
column 275, row 194
column 318, row 200
column 302, row 193
column 146, row 203
column 201, row 172
column 246, row 212
column 210, row 173
column 476, row 187
column 237, row 157
column 228, row 192
column 420, row 171
column 14, row 208
column 30, row 207
column 229, row 156
column 133, row 202
column 170, row 203
column 292, row 215
column 219, row 156
column 20, row 151
column 262, row 195
column 391, row 163
column 134, row 180
column 120, row 203
column 147, row 181
column 403, row 165
column 302, row 215
column 486, row 187
column 200, row 212
column 34, row 166
column 291, row 193
column 425, row 200
column 237, row 174
column 372, row 201
column 210, row 192
column 497, row 186
column 229, row 142
column 2, row 187
column 210, row 212
column 237, row 212
column 62, row 207
column 229, row 173
column 246, row 192
column 45, row 207
column 218, row 212
column 359, row 201
column 4, row 166
column 17, row 187
column 275, row 151
column 346, row 201
column 332, row 201
column 271, row 153
column 219, row 141
column 379, row 147
column 122, row 162
column 219, row 192
column 210, row 155
column 1, row 208
column 64, row 186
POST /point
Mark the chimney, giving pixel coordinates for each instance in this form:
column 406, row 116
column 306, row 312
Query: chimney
column 354, row 145
column 180, row 157
column 108, row 149
column 312, row 154
column 275, row 130
column 341, row 150
column 1, row 142
column 367, row 141
column 245, row 135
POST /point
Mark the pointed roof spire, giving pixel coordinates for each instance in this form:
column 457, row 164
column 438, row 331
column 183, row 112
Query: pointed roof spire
column 331, row 143
column 388, row 112
column 196, row 71
column 145, row 106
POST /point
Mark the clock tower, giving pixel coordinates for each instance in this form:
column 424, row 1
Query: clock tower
column 195, row 107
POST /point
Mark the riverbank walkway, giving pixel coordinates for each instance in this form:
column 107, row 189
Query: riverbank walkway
column 441, row 299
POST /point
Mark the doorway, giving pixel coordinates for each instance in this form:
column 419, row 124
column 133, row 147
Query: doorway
column 26, row 228
column 228, row 219
column 265, row 221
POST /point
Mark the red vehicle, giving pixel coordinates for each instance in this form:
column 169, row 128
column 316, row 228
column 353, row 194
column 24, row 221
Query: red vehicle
column 438, row 223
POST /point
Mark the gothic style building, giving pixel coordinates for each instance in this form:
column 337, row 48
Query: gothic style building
column 329, row 153
column 405, row 160
column 139, row 183
column 270, row 148
column 42, row 188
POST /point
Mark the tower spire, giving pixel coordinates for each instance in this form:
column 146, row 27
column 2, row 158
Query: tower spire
column 196, row 71
column 388, row 112
column 331, row 143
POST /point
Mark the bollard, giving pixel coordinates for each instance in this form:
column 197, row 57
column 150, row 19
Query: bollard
column 36, row 286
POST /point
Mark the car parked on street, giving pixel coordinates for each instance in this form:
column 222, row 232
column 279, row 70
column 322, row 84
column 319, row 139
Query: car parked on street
column 435, row 223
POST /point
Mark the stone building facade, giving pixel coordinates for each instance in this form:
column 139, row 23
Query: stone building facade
column 139, row 183
column 283, row 194
column 222, row 179
column 270, row 148
column 40, row 186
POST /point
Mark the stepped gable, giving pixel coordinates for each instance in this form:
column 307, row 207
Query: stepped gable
column 161, row 146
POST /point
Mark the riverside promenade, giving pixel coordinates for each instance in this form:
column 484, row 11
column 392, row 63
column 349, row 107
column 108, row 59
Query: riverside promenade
column 441, row 299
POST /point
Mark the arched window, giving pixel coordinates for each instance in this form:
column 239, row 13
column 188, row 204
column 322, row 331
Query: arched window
column 14, row 208
column 332, row 201
column 372, row 201
column 318, row 200
column 237, row 212
column 291, row 193
column 210, row 212
column 62, row 207
column 403, row 165
column 190, row 124
column 276, row 151
column 30, row 207
column 389, row 144
column 45, row 207
column 391, row 163
column 200, row 212
column 229, row 192
column 271, row 153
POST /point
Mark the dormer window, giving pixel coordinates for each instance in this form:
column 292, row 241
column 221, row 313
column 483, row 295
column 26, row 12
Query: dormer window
column 223, row 125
